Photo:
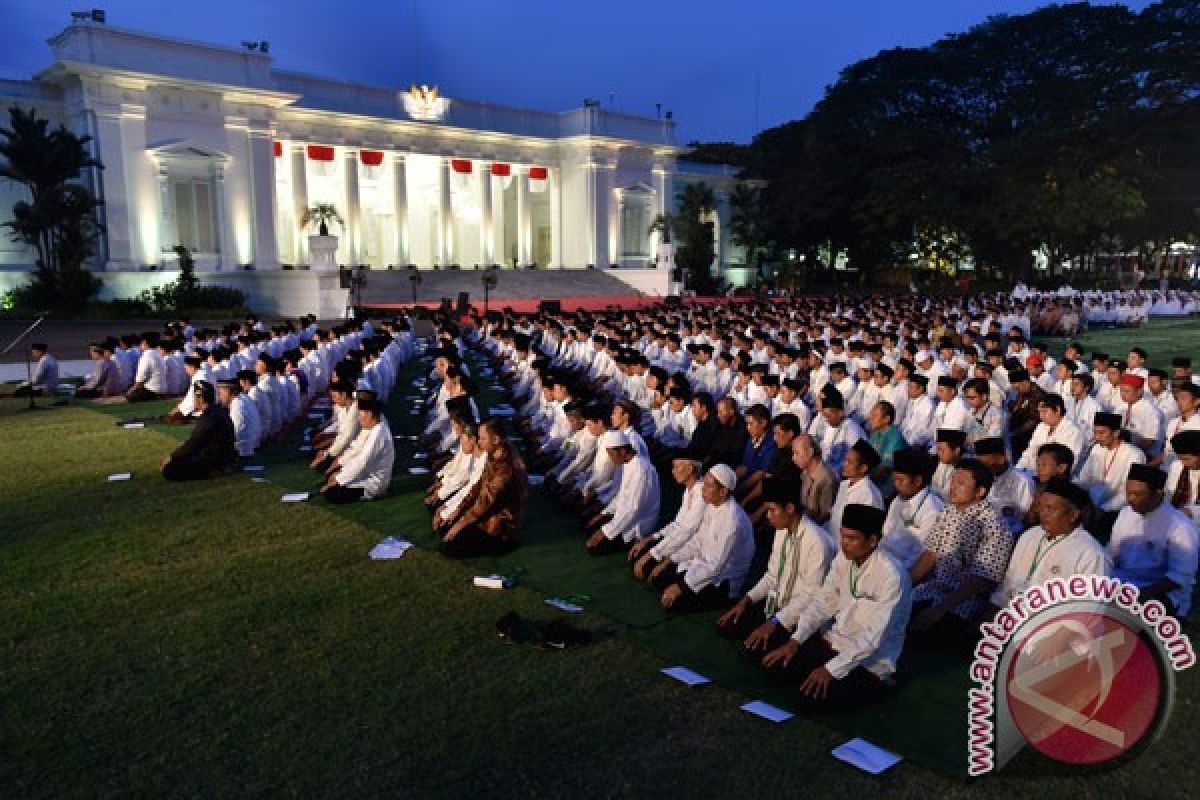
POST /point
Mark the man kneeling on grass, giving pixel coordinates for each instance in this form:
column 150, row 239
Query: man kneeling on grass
column 489, row 518
column 849, row 637
column 209, row 451
column 708, row 571
column 633, row 511
column 799, row 560
column 364, row 471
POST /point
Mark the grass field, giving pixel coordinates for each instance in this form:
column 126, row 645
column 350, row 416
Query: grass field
column 205, row 640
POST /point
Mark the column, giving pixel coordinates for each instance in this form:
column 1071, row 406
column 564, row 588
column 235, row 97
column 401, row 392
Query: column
column 556, row 219
column 445, row 219
column 524, row 220
column 118, row 230
column 486, row 254
column 350, row 250
column 400, row 189
column 265, row 249
column 600, row 192
column 299, row 203
column 165, row 234
column 499, row 254
column 228, row 238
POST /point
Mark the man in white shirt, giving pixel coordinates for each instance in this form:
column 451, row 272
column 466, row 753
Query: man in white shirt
column 799, row 560
column 1183, row 477
column 856, row 487
column 840, row 433
column 633, row 511
column 1058, row 548
column 1054, row 427
column 1142, row 419
column 918, row 427
column 366, row 472
column 914, row 509
column 331, row 444
column 1012, row 490
column 848, row 639
column 1103, row 474
column 150, row 381
column 708, row 571
column 648, row 554
column 44, row 379
column 1187, row 397
column 1153, row 544
column 951, row 411
column 243, row 415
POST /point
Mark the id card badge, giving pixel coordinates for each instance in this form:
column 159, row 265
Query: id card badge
column 772, row 601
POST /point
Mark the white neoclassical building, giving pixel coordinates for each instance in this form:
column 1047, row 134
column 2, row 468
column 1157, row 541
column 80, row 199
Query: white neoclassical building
column 211, row 147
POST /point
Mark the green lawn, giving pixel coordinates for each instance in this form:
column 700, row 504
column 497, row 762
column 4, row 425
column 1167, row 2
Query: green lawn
column 206, row 640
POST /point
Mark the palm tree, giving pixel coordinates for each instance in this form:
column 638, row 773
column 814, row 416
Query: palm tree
column 322, row 214
column 58, row 221
column 694, row 227
column 662, row 224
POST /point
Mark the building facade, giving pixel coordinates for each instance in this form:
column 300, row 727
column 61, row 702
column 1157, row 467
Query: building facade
column 213, row 148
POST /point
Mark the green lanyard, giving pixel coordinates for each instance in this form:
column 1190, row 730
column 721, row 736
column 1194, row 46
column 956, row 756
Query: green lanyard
column 773, row 597
column 908, row 521
column 1039, row 556
column 854, row 573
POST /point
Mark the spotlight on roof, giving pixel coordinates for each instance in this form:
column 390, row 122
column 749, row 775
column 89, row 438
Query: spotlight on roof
column 95, row 15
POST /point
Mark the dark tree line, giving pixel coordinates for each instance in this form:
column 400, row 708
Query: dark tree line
column 1074, row 127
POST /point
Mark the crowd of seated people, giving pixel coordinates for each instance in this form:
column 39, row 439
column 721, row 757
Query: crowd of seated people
column 842, row 478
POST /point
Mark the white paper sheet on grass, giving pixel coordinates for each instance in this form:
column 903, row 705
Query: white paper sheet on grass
column 418, row 470
column 563, row 605
column 295, row 497
column 390, row 548
column 133, row 426
column 120, row 476
column 253, row 468
column 686, row 676
column 866, row 756
column 767, row 711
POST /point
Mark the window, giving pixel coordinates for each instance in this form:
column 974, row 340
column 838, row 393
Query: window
column 194, row 215
column 634, row 230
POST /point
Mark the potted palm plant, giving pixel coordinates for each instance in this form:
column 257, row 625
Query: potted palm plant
column 322, row 247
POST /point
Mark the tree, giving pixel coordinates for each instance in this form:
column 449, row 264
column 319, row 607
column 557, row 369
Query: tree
column 322, row 214
column 694, row 231
column 746, row 225
column 58, row 221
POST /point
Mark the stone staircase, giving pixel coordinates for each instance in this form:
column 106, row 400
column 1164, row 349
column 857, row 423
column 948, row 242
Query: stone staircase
column 394, row 286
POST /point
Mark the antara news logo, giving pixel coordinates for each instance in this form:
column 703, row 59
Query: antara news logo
column 1078, row 668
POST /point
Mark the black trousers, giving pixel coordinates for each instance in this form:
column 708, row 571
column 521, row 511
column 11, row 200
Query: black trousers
column 141, row 395
column 88, row 393
column 710, row 598
column 751, row 619
column 859, row 686
column 472, row 542
column 951, row 632
column 340, row 495
column 186, row 471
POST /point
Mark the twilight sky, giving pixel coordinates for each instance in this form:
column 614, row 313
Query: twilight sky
column 702, row 60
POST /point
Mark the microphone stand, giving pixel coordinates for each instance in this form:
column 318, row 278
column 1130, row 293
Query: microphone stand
column 33, row 406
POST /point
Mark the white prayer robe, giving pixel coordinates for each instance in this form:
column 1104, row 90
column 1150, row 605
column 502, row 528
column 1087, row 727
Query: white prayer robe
column 369, row 466
column 152, row 371
column 1105, row 471
column 721, row 550
column 863, row 492
column 1161, row 544
column 247, row 427
column 1011, row 495
column 1075, row 553
column 862, row 612
column 676, row 533
column 635, row 507
column 795, row 571
column 1176, row 473
column 1066, row 433
column 908, row 523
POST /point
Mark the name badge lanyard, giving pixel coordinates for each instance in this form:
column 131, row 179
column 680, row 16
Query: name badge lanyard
column 1040, row 556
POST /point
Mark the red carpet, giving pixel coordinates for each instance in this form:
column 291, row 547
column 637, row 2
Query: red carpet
column 596, row 303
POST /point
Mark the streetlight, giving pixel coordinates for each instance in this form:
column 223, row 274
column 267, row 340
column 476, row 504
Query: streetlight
column 415, row 278
column 490, row 279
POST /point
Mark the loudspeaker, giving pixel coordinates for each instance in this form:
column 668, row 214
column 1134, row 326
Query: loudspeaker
column 345, row 279
column 464, row 303
column 550, row 306
column 677, row 274
column 447, row 306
